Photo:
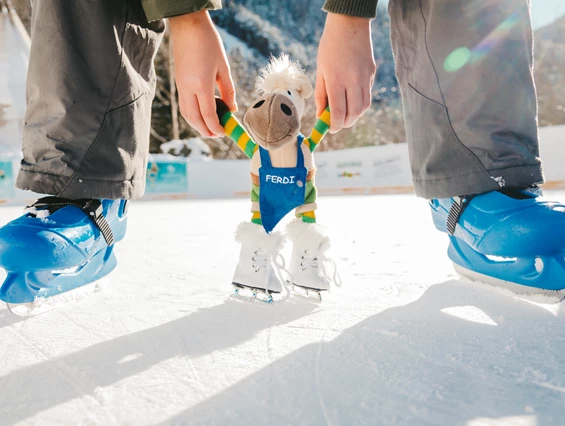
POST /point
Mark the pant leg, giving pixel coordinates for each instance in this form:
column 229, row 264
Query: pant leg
column 465, row 69
column 90, row 85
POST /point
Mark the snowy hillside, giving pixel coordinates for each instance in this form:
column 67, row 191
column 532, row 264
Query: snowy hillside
column 14, row 52
column 549, row 73
column 403, row 342
column 295, row 27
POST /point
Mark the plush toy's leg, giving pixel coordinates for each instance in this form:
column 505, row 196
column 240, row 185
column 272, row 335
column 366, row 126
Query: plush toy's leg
column 256, row 218
column 307, row 217
column 306, row 211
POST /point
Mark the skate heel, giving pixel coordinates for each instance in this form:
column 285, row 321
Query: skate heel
column 307, row 293
column 521, row 275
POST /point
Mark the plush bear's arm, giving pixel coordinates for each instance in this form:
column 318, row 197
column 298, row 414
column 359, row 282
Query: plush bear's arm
column 319, row 131
column 234, row 130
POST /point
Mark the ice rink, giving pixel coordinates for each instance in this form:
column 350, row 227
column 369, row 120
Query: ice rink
column 403, row 342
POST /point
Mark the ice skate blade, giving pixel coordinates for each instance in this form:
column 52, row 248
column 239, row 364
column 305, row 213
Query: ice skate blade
column 308, row 293
column 532, row 294
column 41, row 305
column 254, row 295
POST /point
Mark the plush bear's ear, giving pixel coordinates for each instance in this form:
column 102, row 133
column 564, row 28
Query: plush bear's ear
column 305, row 88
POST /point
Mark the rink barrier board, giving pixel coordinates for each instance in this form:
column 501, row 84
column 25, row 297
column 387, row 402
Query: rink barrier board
column 383, row 169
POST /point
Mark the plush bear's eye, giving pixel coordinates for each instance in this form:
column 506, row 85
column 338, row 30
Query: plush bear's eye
column 258, row 104
column 289, row 94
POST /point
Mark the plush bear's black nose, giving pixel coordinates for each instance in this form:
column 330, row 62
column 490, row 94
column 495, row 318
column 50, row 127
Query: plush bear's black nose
column 259, row 104
column 286, row 109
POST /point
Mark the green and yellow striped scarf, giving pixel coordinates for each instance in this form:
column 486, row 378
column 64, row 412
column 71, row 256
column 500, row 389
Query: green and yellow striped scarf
column 236, row 132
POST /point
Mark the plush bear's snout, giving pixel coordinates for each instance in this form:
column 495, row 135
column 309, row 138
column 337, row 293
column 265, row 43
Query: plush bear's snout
column 272, row 121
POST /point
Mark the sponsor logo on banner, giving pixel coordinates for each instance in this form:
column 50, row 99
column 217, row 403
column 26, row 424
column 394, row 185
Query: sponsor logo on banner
column 350, row 167
column 348, row 175
column 386, row 166
column 167, row 177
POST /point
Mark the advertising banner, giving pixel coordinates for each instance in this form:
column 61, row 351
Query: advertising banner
column 167, row 177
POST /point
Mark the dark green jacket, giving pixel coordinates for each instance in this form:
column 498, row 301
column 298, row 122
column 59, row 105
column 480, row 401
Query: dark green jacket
column 158, row 9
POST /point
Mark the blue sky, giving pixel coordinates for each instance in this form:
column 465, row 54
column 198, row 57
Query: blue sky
column 546, row 11
column 543, row 11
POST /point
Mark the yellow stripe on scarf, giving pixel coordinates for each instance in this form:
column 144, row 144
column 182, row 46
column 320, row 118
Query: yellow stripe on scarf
column 231, row 125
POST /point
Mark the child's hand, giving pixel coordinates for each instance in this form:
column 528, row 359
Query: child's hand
column 200, row 63
column 346, row 69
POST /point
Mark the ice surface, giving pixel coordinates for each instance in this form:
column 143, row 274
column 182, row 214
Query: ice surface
column 402, row 342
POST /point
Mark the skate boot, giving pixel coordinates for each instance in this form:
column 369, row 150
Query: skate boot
column 57, row 246
column 260, row 263
column 511, row 238
column 308, row 260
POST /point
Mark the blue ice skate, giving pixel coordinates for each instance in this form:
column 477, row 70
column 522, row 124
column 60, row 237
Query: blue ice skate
column 59, row 245
column 509, row 238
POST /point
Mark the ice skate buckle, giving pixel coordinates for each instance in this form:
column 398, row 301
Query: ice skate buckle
column 92, row 208
column 457, row 208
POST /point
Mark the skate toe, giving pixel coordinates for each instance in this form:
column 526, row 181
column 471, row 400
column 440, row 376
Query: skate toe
column 24, row 247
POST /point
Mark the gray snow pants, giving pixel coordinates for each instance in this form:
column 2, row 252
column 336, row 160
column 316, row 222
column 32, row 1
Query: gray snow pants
column 90, row 86
column 464, row 67
column 465, row 70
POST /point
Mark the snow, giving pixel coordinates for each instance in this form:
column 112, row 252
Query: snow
column 196, row 146
column 233, row 43
column 402, row 342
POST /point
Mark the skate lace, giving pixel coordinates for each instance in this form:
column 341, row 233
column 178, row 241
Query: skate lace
column 260, row 260
column 266, row 260
column 319, row 262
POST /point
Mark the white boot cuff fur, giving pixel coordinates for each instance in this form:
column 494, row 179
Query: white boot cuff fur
column 249, row 233
column 310, row 236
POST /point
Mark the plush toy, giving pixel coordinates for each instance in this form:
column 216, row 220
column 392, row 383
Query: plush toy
column 282, row 179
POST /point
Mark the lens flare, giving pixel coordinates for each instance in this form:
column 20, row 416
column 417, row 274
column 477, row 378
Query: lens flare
column 457, row 59
column 463, row 56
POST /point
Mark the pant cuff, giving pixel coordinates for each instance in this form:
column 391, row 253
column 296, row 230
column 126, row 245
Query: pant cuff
column 479, row 182
column 76, row 188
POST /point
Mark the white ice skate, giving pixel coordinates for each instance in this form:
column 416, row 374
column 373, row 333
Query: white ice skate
column 308, row 260
column 260, row 263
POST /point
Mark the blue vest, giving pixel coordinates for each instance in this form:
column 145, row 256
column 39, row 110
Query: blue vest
column 281, row 189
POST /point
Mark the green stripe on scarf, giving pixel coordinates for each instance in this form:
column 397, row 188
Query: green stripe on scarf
column 321, row 127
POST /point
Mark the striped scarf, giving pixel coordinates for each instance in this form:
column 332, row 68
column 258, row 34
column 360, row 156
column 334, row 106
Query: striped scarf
column 236, row 132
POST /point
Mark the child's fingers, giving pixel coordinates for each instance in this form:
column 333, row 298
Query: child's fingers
column 191, row 112
column 208, row 112
column 227, row 88
column 320, row 96
column 354, row 96
column 338, row 106
column 366, row 99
